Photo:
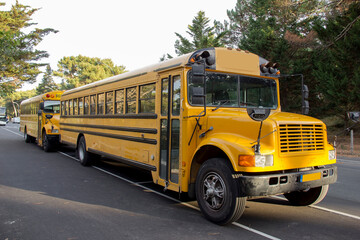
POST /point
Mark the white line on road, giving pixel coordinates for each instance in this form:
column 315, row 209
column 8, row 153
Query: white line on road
column 325, row 209
column 13, row 132
column 173, row 199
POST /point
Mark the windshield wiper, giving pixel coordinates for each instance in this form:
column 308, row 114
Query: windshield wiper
column 222, row 103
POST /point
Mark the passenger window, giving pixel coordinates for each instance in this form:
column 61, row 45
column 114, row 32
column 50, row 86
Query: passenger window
column 81, row 106
column 109, row 102
column 92, row 105
column 147, row 98
column 86, row 105
column 131, row 100
column 100, row 103
column 75, row 107
column 119, row 104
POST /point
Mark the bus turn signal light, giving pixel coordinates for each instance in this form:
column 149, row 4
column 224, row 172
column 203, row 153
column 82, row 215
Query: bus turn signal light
column 246, row 161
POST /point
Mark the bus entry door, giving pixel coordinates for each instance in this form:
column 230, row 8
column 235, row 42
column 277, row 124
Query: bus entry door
column 170, row 129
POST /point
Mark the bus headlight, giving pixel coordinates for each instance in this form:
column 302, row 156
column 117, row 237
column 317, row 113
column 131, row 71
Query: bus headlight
column 332, row 154
column 256, row 160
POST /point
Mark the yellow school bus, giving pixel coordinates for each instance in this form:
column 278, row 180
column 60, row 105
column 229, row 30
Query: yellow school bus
column 208, row 123
column 39, row 120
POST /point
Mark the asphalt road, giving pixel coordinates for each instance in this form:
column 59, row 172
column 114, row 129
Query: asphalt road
column 51, row 196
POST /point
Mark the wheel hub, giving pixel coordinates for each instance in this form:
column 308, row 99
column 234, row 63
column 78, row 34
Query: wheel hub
column 214, row 191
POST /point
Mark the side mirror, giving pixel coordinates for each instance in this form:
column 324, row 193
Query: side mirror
column 41, row 106
column 39, row 112
column 305, row 102
column 259, row 115
column 198, row 73
column 197, row 95
column 354, row 116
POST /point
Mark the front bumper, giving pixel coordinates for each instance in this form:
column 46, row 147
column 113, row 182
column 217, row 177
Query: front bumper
column 53, row 138
column 273, row 184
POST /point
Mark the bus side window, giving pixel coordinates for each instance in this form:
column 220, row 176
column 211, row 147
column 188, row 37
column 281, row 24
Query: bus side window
column 100, row 103
column 86, row 105
column 119, row 101
column 81, row 112
column 66, row 108
column 109, row 103
column 71, row 107
column 131, row 100
column 147, row 98
column 75, row 107
column 92, row 105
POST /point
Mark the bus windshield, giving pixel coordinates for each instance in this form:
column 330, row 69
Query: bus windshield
column 52, row 107
column 230, row 90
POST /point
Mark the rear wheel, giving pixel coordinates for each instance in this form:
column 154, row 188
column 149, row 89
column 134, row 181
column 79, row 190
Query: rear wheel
column 309, row 197
column 217, row 192
column 86, row 158
column 27, row 137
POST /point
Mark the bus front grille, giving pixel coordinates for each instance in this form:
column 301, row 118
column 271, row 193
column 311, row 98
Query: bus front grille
column 301, row 137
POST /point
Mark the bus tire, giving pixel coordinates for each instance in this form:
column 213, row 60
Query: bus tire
column 27, row 137
column 217, row 193
column 85, row 157
column 309, row 197
column 45, row 142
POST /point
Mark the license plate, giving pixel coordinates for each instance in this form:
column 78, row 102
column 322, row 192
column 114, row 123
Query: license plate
column 310, row 177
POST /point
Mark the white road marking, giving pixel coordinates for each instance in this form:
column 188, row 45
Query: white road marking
column 13, row 132
column 325, row 209
column 183, row 203
column 196, row 208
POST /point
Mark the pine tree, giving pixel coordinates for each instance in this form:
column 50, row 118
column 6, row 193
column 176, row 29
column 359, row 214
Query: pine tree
column 336, row 62
column 47, row 83
column 18, row 56
column 202, row 35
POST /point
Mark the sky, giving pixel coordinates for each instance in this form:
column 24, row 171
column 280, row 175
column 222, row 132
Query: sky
column 132, row 33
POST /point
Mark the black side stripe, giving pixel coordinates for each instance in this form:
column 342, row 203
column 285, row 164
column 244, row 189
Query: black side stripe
column 116, row 136
column 125, row 160
column 125, row 129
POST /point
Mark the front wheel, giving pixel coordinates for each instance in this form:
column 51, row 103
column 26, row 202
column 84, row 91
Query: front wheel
column 217, row 192
column 46, row 143
column 309, row 197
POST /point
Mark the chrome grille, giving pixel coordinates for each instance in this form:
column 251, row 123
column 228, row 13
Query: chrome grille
column 301, row 137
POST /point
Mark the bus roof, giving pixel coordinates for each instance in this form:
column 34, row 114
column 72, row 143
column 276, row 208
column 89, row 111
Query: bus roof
column 53, row 95
column 226, row 59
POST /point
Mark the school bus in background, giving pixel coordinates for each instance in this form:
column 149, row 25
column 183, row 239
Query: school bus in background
column 40, row 119
column 189, row 121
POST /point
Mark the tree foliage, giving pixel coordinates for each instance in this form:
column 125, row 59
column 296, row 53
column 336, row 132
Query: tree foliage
column 336, row 64
column 202, row 35
column 18, row 55
column 304, row 37
column 81, row 70
column 47, row 83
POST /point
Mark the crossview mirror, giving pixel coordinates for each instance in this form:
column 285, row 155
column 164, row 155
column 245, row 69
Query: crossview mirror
column 258, row 114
